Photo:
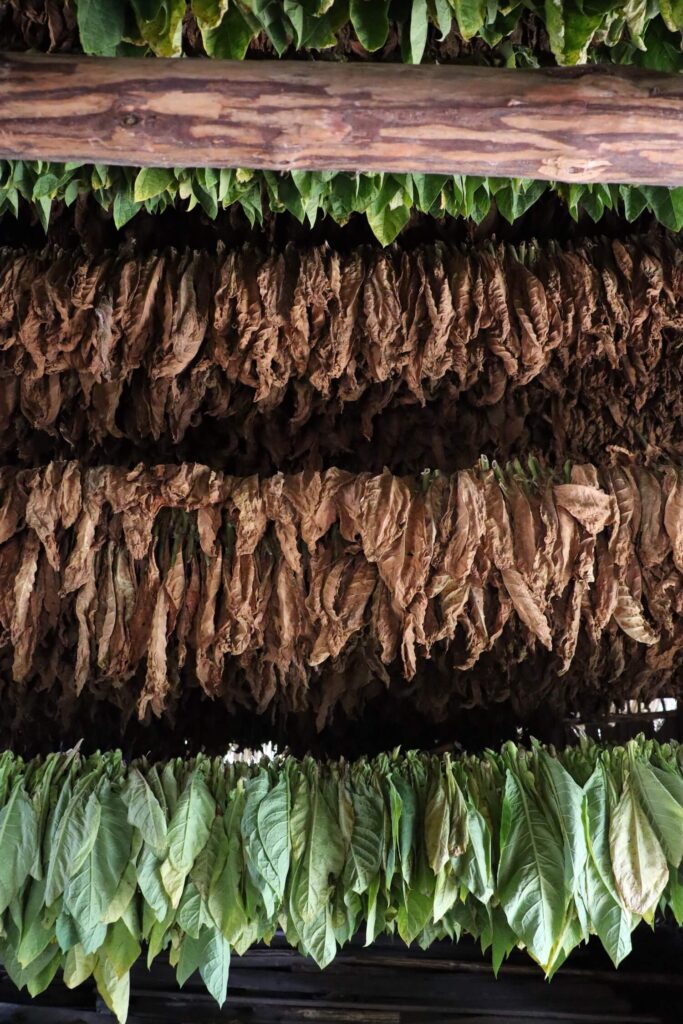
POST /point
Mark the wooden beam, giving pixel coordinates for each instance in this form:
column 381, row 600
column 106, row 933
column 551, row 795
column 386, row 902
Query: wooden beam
column 595, row 124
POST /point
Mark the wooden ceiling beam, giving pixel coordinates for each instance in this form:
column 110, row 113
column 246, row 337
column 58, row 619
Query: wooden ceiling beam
column 588, row 124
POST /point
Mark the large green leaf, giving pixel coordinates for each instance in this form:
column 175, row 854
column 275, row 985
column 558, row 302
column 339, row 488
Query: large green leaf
column 470, row 15
column 531, row 873
column 638, row 860
column 565, row 797
column 151, row 884
column 437, row 826
column 370, row 19
column 475, row 869
column 190, row 825
column 611, row 922
column 151, row 182
column 93, row 886
column 145, row 812
column 18, row 844
column 114, row 990
column 101, row 26
column 160, row 24
column 77, row 821
column 366, row 841
column 664, row 811
column 318, row 851
column 214, row 965
column 265, row 833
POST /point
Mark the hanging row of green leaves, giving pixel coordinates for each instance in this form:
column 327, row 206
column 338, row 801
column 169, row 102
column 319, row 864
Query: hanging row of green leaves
column 624, row 29
column 201, row 857
column 387, row 200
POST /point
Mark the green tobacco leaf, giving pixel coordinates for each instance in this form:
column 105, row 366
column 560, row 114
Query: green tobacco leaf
column 611, row 922
column 347, row 846
column 419, row 24
column 667, row 205
column 554, row 12
column 214, row 965
column 470, row 15
column 145, row 812
column 318, row 939
column 672, row 13
column 272, row 827
column 37, row 927
column 364, row 854
column 413, row 914
column 125, row 208
column 437, row 827
column 231, row 38
column 151, row 884
column 318, row 857
column 78, row 966
column 429, row 188
column 444, row 17
column 18, row 844
column 274, row 22
column 209, row 12
column 101, row 26
column 92, row 888
column 638, row 861
column 663, row 810
column 662, row 48
column 531, row 873
column 114, row 990
column 475, row 865
column 190, row 825
column 77, row 823
column 121, row 949
column 160, row 24
column 370, row 19
column 190, row 917
column 387, row 223
column 566, row 799
column 151, row 182
column 386, row 200
column 124, row 894
column 229, row 914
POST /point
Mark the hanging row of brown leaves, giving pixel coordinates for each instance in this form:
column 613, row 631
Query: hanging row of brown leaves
column 288, row 360
column 105, row 571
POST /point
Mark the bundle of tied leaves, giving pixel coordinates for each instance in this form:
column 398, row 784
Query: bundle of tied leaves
column 647, row 34
column 200, row 857
column 298, row 355
column 211, row 578
column 386, row 200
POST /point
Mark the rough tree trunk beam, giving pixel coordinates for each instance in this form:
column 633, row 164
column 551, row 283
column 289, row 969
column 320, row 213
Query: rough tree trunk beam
column 595, row 124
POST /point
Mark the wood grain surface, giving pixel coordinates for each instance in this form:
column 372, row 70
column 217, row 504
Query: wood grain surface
column 595, row 124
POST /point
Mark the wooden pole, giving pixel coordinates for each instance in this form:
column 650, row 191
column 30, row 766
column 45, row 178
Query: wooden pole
column 589, row 124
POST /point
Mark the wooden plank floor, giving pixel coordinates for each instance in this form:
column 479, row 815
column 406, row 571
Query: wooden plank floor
column 389, row 984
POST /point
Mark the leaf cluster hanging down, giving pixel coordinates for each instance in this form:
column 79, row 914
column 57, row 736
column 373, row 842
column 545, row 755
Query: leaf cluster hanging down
column 495, row 338
column 386, row 200
column 616, row 30
column 195, row 571
column 201, row 857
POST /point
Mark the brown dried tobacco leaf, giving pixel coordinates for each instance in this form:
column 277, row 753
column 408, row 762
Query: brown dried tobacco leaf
column 306, row 352
column 673, row 515
column 144, row 578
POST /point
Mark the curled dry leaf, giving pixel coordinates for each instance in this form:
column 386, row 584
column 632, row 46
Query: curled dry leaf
column 135, row 580
column 403, row 357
